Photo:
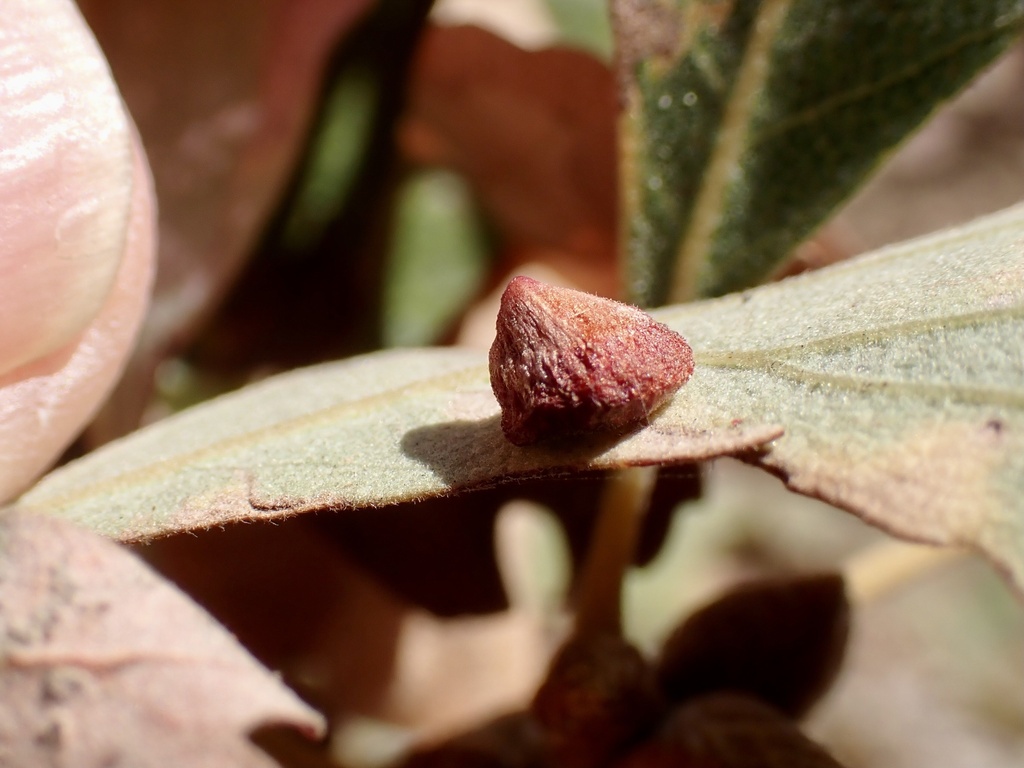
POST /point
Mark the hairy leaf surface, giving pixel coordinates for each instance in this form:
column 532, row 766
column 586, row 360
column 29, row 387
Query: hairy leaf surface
column 891, row 385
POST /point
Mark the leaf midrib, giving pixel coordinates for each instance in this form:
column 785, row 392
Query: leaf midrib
column 730, row 145
column 779, row 361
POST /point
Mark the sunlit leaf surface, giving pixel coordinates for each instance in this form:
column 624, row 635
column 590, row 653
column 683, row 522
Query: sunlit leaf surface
column 891, row 385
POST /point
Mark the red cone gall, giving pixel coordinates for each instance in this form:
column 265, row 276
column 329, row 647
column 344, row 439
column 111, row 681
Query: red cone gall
column 567, row 362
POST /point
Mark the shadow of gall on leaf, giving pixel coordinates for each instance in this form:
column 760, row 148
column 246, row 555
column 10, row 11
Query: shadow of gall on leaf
column 453, row 449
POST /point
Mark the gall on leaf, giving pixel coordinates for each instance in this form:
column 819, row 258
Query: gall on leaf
column 566, row 362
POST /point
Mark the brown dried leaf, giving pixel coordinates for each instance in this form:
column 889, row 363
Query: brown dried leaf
column 103, row 663
column 313, row 291
column 222, row 94
column 534, row 132
column 779, row 640
column 296, row 603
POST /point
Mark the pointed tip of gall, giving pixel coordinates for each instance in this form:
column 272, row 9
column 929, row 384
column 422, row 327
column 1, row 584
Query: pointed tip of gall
column 566, row 362
column 522, row 282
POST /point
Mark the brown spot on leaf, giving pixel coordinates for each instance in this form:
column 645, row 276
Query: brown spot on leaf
column 105, row 663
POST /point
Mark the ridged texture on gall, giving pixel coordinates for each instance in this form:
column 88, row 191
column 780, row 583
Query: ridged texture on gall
column 566, row 362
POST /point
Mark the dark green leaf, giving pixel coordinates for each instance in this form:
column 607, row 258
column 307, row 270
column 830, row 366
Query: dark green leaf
column 749, row 121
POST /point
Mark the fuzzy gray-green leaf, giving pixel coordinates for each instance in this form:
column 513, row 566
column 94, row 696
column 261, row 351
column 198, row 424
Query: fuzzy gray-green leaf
column 891, row 385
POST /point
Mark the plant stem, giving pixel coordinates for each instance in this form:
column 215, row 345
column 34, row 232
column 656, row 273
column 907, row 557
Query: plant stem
column 624, row 502
column 879, row 569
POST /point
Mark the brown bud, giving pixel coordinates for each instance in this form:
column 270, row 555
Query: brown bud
column 510, row 741
column 726, row 730
column 780, row 640
column 598, row 697
column 565, row 362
